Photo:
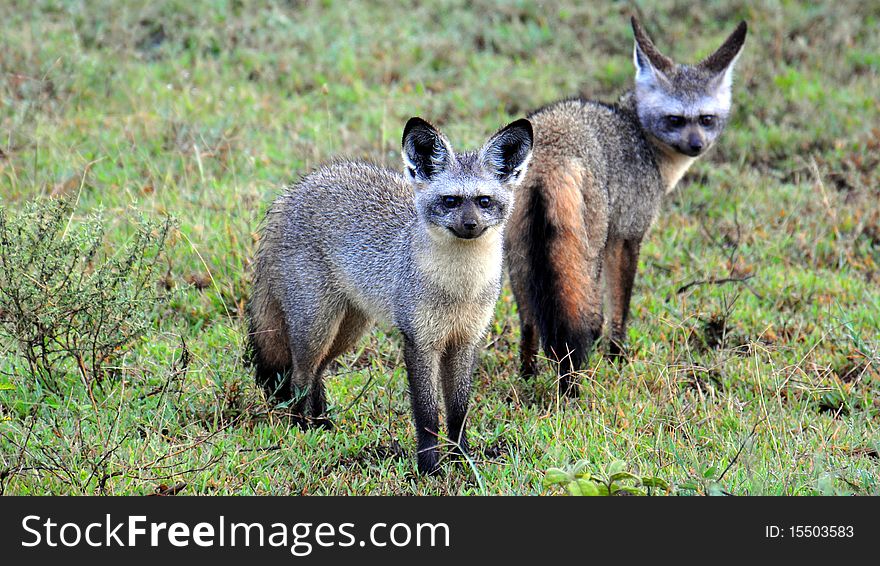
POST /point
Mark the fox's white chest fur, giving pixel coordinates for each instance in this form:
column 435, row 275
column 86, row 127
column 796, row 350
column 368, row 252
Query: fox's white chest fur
column 673, row 169
column 465, row 270
column 462, row 268
column 672, row 165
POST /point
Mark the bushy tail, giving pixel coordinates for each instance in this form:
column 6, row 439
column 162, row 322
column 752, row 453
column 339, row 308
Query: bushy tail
column 560, row 280
column 268, row 343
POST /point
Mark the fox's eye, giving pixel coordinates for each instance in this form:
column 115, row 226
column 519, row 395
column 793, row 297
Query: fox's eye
column 707, row 120
column 484, row 202
column 451, row 202
column 675, row 121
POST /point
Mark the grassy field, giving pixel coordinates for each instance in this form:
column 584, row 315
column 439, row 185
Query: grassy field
column 202, row 109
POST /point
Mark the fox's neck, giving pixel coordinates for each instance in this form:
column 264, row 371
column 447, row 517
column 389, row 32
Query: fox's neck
column 671, row 164
column 462, row 268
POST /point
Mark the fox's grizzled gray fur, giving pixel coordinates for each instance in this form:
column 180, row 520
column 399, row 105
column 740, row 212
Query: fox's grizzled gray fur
column 593, row 189
column 352, row 243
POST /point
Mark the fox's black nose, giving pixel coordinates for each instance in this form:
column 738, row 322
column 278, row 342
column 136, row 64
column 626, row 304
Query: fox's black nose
column 468, row 229
column 695, row 144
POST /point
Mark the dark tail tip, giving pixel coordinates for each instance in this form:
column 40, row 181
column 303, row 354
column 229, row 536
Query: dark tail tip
column 566, row 341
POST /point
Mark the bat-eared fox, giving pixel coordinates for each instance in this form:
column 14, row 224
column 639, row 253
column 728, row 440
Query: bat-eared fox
column 352, row 243
column 593, row 188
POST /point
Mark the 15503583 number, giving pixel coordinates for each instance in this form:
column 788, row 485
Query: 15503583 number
column 821, row 531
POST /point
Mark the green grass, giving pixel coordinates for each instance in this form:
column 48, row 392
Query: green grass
column 202, row 110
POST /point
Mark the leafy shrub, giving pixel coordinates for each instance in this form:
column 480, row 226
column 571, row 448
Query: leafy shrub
column 69, row 300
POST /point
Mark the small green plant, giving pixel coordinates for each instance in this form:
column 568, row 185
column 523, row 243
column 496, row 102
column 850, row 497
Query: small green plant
column 68, row 299
column 580, row 481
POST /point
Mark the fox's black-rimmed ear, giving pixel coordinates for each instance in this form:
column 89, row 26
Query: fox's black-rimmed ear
column 507, row 153
column 426, row 151
column 726, row 55
column 651, row 65
column 721, row 62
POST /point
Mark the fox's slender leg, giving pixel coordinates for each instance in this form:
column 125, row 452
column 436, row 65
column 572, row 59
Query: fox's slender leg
column 267, row 343
column 529, row 337
column 300, row 388
column 351, row 327
column 519, row 270
column 456, row 375
column 313, row 331
column 528, row 349
column 621, row 263
column 422, row 366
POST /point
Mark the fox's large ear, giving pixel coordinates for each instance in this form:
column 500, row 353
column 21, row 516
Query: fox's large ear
column 722, row 61
column 507, row 153
column 652, row 66
column 426, row 152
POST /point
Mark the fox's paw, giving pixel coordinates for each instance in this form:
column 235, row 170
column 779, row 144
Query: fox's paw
column 309, row 423
column 617, row 352
column 460, row 451
column 322, row 422
column 428, row 461
column 569, row 387
column 527, row 371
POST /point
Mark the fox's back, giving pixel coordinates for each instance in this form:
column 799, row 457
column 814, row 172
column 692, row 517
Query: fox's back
column 353, row 203
column 607, row 146
column 348, row 220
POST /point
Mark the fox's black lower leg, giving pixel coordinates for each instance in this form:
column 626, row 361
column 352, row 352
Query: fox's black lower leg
column 621, row 264
column 310, row 411
column 456, row 374
column 421, row 365
column 318, row 402
column 306, row 390
column 528, row 349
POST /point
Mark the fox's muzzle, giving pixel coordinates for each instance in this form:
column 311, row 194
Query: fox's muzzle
column 468, row 230
column 692, row 144
column 468, row 225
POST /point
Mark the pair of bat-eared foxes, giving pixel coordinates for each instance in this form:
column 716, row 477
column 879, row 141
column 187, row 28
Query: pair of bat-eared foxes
column 564, row 197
